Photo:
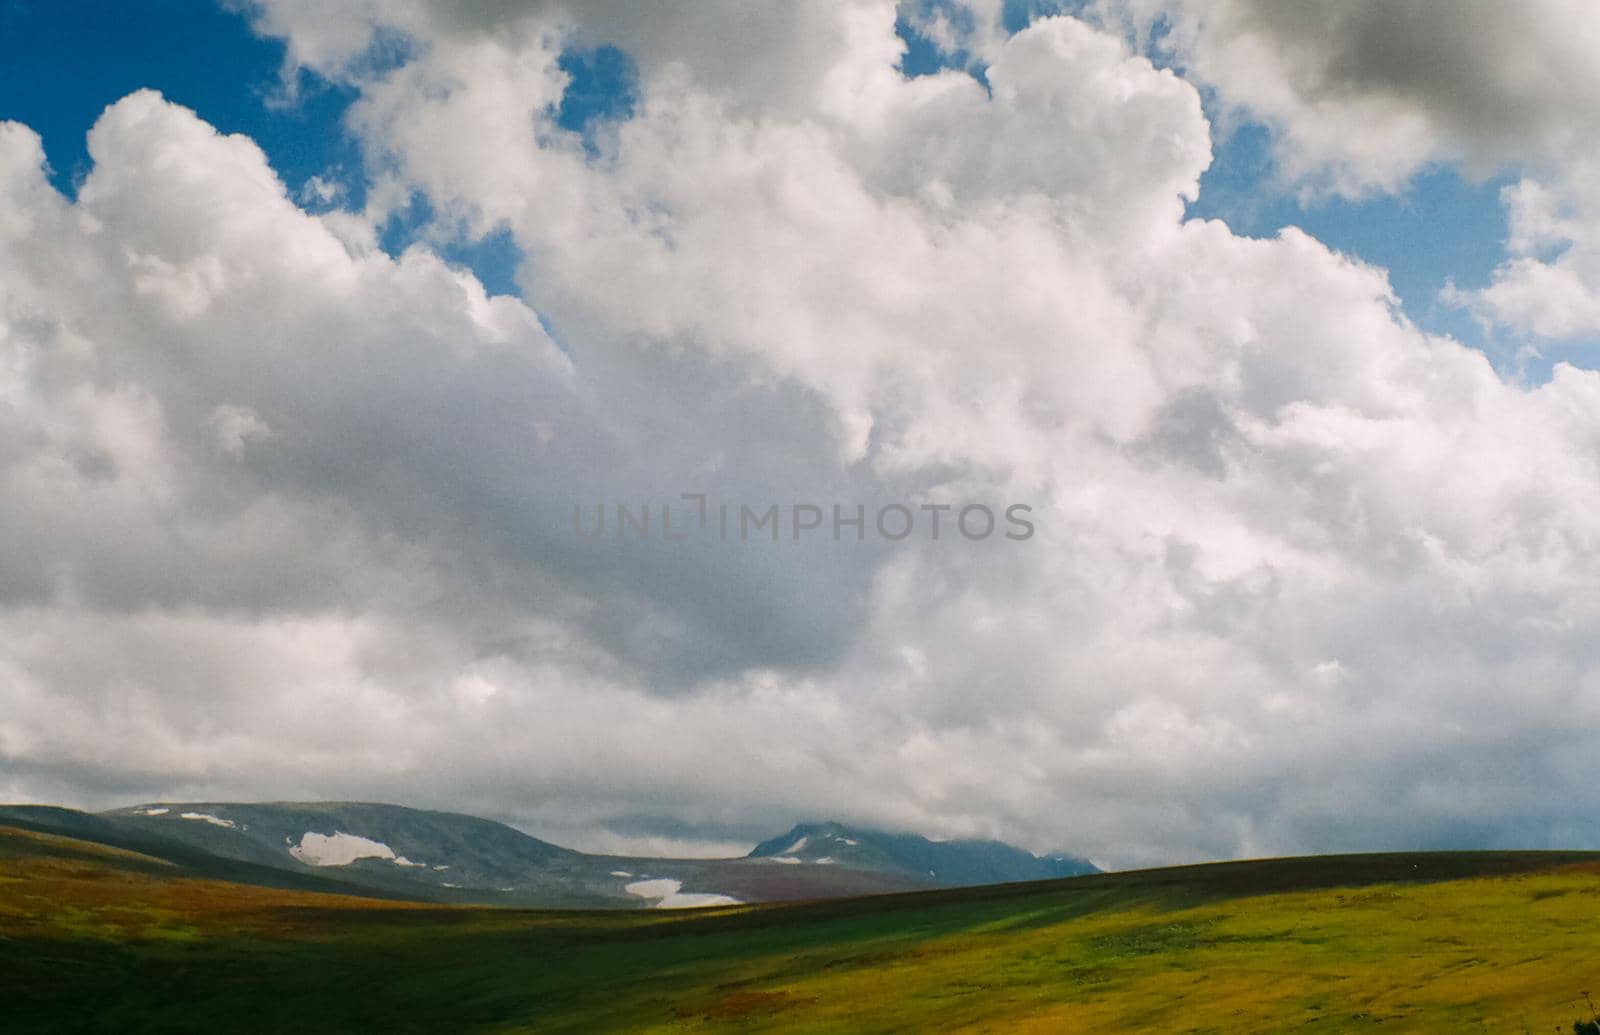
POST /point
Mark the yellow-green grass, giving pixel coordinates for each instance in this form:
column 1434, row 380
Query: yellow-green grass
column 98, row 939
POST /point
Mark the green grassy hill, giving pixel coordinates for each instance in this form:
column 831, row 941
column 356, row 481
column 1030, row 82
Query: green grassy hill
column 95, row 938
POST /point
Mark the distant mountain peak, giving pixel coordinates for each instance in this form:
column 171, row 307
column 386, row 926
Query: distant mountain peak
column 941, row 862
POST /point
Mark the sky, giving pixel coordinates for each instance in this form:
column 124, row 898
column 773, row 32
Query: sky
column 1263, row 332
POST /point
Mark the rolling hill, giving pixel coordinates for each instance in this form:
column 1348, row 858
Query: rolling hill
column 98, row 938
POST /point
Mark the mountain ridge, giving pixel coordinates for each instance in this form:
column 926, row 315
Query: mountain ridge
column 397, row 851
column 956, row 863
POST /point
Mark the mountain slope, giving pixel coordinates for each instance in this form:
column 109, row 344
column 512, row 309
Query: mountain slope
column 436, row 856
column 189, row 859
column 393, row 851
column 941, row 863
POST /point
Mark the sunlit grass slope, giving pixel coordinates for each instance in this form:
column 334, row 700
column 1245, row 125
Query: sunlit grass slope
column 93, row 938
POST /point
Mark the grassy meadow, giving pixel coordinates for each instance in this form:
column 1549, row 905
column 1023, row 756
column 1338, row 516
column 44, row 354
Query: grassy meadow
column 100, row 939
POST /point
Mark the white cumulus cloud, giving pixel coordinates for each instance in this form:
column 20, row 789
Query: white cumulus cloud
column 286, row 518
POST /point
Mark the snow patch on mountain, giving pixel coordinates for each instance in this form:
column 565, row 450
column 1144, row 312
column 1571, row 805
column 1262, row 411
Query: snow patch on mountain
column 206, row 817
column 666, row 892
column 342, row 849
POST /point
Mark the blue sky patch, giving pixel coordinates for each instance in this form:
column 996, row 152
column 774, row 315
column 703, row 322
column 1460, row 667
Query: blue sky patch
column 1441, row 227
column 493, row 258
column 603, row 86
column 924, row 57
column 62, row 64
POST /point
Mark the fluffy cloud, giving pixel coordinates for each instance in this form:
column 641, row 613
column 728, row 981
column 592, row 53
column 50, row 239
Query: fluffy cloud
column 1550, row 285
column 288, row 517
column 1363, row 96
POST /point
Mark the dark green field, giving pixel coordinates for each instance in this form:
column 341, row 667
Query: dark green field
column 98, row 939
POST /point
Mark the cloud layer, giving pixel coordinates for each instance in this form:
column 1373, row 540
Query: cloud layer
column 1363, row 96
column 288, row 517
